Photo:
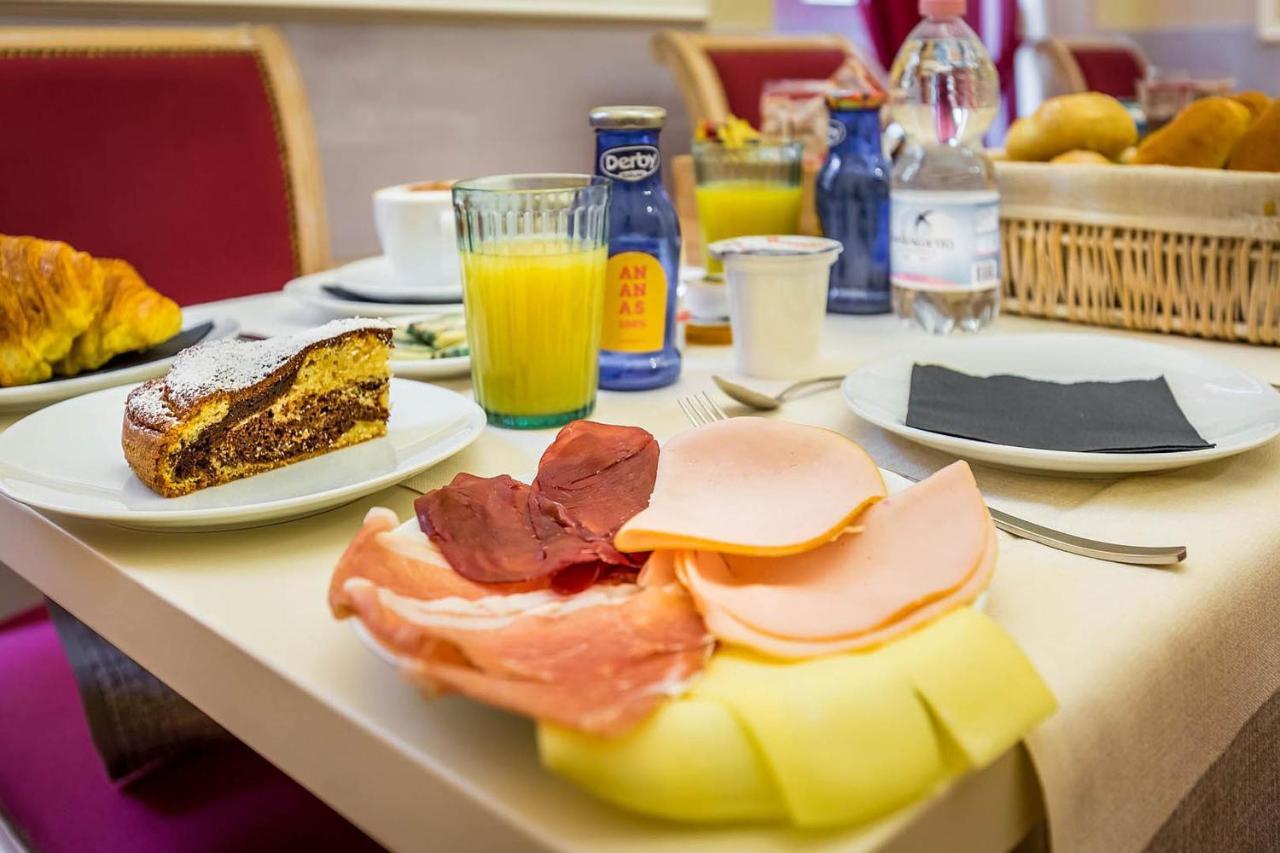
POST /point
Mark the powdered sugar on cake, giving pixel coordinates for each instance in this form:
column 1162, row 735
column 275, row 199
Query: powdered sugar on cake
column 234, row 365
column 148, row 406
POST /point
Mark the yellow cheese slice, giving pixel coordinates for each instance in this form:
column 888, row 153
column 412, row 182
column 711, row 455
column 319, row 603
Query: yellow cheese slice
column 691, row 760
column 825, row 742
column 976, row 681
column 846, row 737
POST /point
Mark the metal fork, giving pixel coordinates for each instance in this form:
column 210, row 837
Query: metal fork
column 700, row 409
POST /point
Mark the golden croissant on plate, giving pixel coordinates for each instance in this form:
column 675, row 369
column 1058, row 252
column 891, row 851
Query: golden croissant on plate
column 64, row 311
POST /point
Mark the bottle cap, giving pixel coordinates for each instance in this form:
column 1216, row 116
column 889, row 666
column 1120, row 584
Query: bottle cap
column 853, row 100
column 628, row 117
column 938, row 9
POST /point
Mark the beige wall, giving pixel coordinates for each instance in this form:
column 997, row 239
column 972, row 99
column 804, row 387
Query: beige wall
column 1171, row 14
column 405, row 101
column 404, row 98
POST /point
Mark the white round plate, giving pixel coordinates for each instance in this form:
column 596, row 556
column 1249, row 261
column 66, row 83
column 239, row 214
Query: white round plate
column 375, row 278
column 1230, row 408
column 24, row 398
column 414, row 367
column 310, row 290
column 67, row 459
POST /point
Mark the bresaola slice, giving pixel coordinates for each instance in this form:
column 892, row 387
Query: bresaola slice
column 601, row 474
column 499, row 530
column 592, row 479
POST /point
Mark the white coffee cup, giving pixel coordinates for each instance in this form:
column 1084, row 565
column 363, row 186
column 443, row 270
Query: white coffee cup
column 777, row 301
column 417, row 232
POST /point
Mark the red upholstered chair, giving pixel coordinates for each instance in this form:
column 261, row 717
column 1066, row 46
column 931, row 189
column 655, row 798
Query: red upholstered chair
column 720, row 74
column 188, row 152
column 55, row 795
column 1110, row 66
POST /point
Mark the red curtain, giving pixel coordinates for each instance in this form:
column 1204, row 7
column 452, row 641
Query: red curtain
column 889, row 21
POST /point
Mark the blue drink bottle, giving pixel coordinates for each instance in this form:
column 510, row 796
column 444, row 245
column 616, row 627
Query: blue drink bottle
column 852, row 196
column 637, row 343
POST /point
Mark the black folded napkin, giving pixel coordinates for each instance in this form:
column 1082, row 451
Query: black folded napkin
column 1132, row 416
column 168, row 349
column 339, row 292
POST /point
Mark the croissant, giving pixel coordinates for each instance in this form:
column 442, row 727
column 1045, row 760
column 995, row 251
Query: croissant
column 64, row 310
column 133, row 316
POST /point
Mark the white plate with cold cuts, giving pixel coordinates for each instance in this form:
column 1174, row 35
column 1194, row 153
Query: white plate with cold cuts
column 410, row 527
column 67, row 459
column 1228, row 407
column 124, row 369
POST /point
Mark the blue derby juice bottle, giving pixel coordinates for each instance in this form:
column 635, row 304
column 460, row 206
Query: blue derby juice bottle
column 638, row 341
column 852, row 195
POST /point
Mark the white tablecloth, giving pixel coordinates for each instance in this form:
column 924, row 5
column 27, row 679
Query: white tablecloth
column 1155, row 670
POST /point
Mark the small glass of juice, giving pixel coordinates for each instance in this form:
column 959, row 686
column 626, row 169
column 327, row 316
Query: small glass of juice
column 747, row 189
column 534, row 250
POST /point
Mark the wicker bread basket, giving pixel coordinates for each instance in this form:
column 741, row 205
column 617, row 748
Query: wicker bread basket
column 1156, row 248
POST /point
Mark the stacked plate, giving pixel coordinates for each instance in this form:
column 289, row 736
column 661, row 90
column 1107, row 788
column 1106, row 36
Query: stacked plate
column 370, row 288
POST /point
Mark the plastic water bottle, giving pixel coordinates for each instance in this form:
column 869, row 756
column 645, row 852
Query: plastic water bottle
column 945, row 209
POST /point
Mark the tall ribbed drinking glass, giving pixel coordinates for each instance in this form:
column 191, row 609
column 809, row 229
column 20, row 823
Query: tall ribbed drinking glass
column 534, row 250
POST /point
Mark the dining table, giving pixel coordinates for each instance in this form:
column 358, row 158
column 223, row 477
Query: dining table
column 1163, row 675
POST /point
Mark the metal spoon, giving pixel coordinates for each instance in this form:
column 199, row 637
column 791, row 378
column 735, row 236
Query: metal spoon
column 760, row 400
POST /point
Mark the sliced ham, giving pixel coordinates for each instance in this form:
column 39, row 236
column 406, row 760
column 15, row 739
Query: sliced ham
column 499, row 530
column 598, row 661
column 753, row 486
column 659, row 569
column 727, row 629
column 601, row 473
column 920, row 546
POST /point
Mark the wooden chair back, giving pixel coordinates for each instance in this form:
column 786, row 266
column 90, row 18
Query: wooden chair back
column 722, row 74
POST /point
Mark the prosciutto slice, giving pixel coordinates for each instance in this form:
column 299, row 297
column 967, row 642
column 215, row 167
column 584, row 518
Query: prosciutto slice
column 599, row 661
column 600, row 473
column 499, row 530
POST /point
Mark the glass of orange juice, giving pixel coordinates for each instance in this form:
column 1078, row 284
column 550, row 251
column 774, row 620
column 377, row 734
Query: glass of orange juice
column 747, row 189
column 534, row 250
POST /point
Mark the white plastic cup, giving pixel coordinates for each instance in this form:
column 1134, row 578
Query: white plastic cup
column 777, row 301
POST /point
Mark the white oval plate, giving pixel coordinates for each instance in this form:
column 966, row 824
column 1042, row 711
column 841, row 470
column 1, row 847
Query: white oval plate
column 411, row 367
column 67, row 459
column 309, row 290
column 24, row 398
column 431, row 368
column 1230, row 408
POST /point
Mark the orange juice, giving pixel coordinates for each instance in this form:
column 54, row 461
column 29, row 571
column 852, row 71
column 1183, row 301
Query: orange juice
column 742, row 208
column 533, row 323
